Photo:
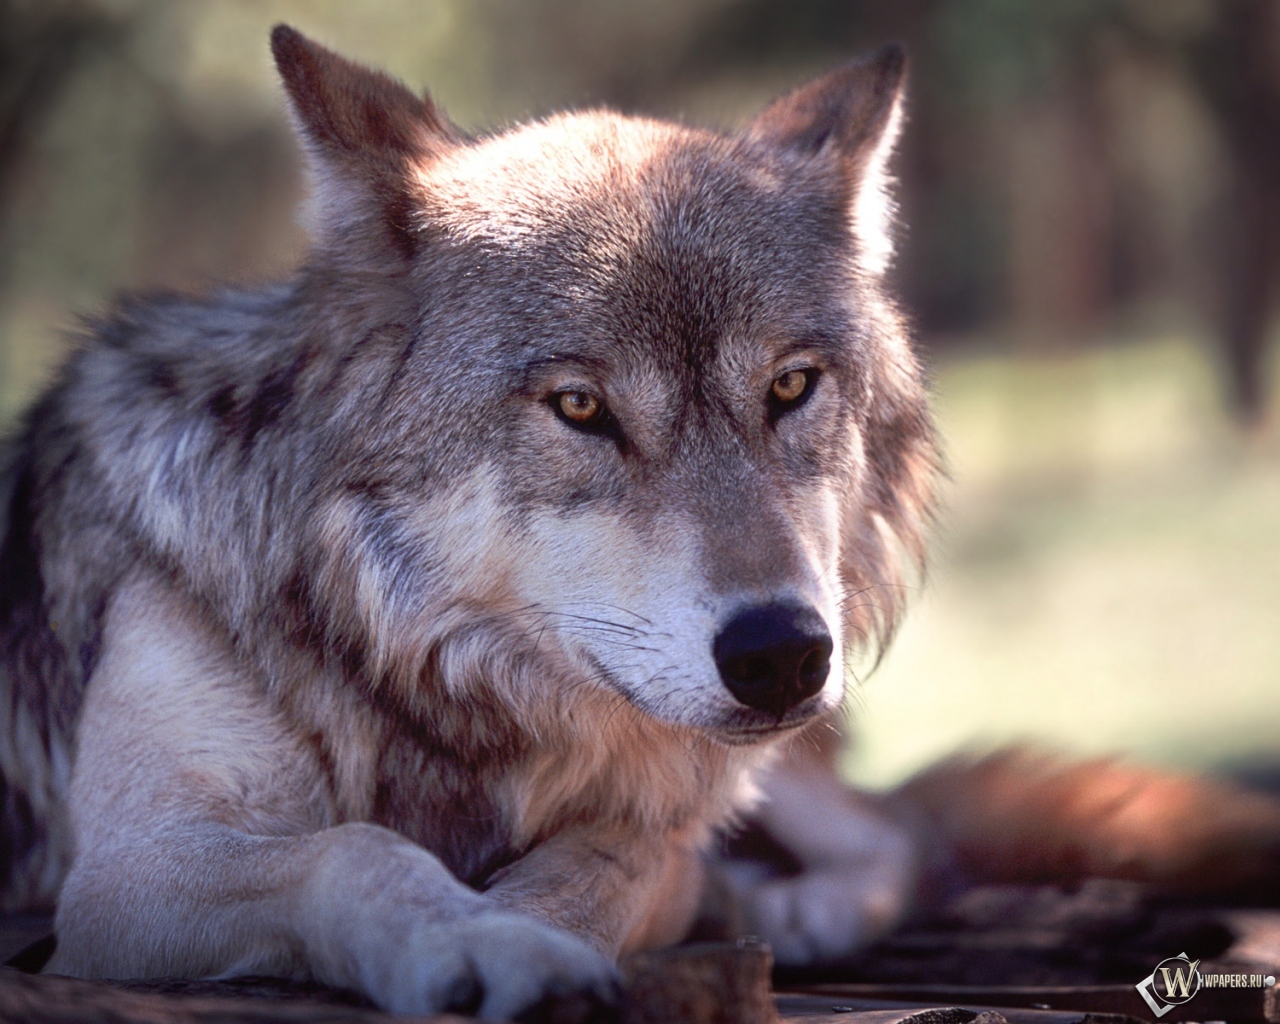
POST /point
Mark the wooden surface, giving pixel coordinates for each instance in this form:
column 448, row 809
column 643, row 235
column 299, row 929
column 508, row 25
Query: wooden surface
column 1066, row 1002
column 797, row 1008
column 42, row 999
column 703, row 984
column 999, row 955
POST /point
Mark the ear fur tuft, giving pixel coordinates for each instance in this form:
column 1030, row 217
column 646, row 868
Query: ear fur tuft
column 847, row 109
column 853, row 113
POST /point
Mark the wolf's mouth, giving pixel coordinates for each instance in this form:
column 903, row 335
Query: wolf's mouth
column 741, row 728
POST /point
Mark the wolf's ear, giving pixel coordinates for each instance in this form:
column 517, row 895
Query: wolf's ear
column 364, row 132
column 849, row 119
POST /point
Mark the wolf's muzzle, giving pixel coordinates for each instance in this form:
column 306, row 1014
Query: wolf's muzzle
column 773, row 656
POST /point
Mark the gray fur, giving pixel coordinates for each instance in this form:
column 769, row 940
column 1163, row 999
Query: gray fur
column 267, row 457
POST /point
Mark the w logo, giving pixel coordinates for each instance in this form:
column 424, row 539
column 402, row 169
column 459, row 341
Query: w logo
column 1171, row 984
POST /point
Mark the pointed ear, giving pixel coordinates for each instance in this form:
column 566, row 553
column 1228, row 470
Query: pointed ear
column 363, row 130
column 848, row 119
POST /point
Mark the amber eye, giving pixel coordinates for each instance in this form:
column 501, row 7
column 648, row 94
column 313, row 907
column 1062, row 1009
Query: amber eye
column 791, row 385
column 579, row 407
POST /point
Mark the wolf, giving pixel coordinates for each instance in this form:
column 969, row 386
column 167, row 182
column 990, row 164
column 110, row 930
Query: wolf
column 414, row 624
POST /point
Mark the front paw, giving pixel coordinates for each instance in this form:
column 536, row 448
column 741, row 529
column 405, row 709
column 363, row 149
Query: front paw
column 495, row 965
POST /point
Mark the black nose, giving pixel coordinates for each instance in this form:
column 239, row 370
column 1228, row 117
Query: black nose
column 773, row 656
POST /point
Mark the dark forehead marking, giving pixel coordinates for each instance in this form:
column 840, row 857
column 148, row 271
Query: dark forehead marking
column 726, row 245
column 591, row 360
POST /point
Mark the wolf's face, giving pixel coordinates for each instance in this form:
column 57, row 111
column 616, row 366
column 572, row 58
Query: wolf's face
column 654, row 424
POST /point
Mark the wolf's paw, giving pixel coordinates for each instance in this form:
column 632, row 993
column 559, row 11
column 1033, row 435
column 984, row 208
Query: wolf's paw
column 822, row 917
column 495, row 965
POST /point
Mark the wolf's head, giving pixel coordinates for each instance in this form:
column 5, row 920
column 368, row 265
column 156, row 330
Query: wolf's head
column 652, row 427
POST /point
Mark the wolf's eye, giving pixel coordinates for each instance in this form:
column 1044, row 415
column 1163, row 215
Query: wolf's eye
column 790, row 385
column 578, row 407
column 790, row 390
column 587, row 412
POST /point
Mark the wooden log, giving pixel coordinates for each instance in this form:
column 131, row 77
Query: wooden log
column 707, row 984
column 49, row 999
column 710, row 983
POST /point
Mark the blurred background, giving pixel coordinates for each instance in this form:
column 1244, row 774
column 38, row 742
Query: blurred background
column 1091, row 190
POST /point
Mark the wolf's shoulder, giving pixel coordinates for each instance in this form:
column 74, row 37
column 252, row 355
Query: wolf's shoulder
column 151, row 369
column 160, row 342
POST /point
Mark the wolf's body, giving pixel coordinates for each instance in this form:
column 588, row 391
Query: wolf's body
column 400, row 625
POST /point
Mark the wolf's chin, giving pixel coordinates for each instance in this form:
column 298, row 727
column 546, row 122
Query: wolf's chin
column 745, row 727
column 736, row 728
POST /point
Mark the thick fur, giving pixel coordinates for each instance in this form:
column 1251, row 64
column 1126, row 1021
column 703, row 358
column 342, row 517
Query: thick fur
column 328, row 649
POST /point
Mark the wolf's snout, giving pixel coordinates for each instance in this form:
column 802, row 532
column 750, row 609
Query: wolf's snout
column 773, row 656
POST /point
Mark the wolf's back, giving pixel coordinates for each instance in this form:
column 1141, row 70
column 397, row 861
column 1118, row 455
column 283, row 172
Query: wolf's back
column 34, row 740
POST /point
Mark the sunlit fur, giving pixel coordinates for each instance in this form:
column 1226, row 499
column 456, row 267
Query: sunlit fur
column 371, row 661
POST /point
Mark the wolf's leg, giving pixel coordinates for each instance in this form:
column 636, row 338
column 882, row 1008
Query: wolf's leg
column 619, row 889
column 205, row 846
column 356, row 906
column 859, row 866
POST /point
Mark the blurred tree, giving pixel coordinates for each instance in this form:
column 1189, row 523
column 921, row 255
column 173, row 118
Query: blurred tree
column 41, row 46
column 1236, row 63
